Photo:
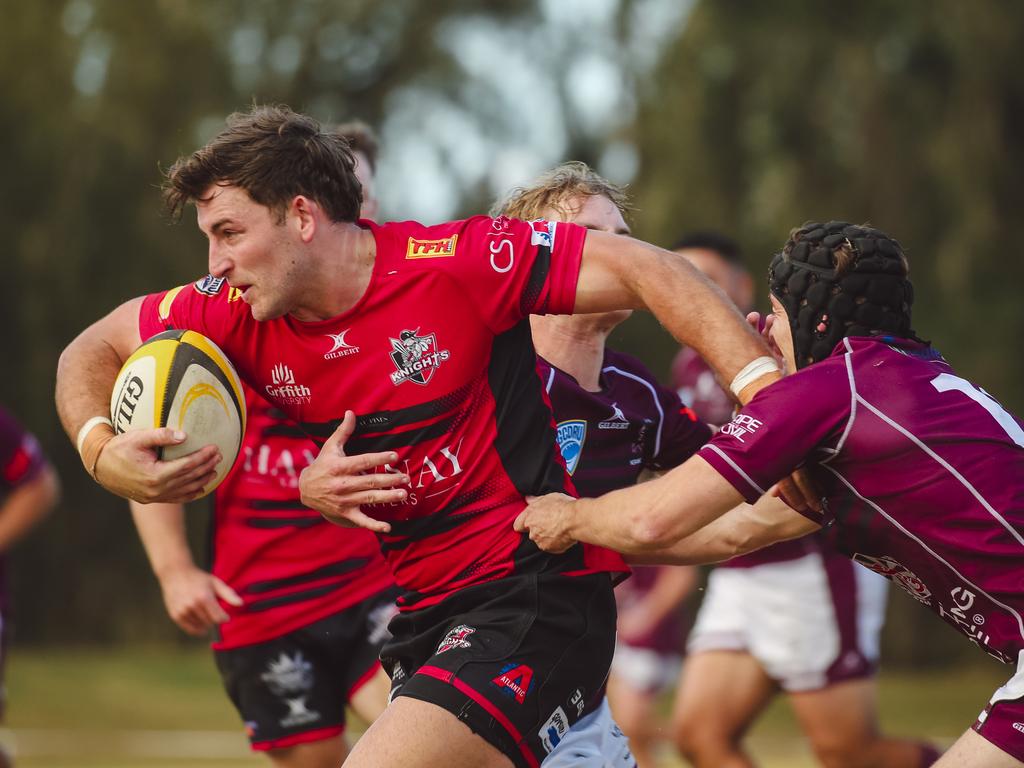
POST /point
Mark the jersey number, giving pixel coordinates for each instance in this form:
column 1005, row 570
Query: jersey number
column 945, row 382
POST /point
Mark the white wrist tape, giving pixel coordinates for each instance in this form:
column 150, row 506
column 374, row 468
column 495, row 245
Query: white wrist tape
column 752, row 371
column 87, row 428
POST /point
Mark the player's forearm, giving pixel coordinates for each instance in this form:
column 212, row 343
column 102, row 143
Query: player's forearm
column 162, row 530
column 26, row 506
column 740, row 531
column 698, row 314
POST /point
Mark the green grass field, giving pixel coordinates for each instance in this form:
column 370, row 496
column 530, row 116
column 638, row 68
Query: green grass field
column 158, row 707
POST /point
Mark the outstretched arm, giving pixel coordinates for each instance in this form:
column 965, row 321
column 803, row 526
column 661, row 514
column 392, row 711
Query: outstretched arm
column 618, row 272
column 127, row 464
column 743, row 529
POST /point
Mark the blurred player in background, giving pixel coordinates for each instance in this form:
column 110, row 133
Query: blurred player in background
column 797, row 616
column 613, row 422
column 920, row 470
column 499, row 648
column 29, row 490
column 300, row 606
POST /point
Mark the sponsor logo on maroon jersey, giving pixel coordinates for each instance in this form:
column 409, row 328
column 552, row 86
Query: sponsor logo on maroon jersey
column 456, row 638
column 742, row 425
column 416, row 357
column 889, row 567
column 431, row 249
column 515, row 681
column 617, row 420
column 339, row 346
column 284, row 387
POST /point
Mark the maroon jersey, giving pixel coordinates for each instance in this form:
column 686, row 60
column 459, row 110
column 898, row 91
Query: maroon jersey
column 921, row 471
column 290, row 566
column 607, row 438
column 699, row 389
column 21, row 460
column 437, row 361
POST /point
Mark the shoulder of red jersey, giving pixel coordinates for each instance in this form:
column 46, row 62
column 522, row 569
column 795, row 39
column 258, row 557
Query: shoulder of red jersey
column 180, row 307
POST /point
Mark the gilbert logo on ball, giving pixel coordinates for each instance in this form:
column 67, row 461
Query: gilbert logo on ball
column 182, row 380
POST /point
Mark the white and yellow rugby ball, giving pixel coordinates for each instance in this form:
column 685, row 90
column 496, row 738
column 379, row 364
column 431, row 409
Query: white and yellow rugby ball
column 182, row 380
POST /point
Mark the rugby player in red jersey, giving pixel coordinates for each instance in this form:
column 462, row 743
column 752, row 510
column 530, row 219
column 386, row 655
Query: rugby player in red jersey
column 499, row 647
column 920, row 470
column 304, row 604
column 798, row 615
column 614, row 422
column 28, row 492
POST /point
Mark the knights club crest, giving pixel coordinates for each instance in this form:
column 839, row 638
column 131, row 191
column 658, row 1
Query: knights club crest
column 571, row 435
column 416, row 357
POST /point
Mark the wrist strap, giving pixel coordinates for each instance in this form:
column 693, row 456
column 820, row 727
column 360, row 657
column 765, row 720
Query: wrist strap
column 87, row 428
column 752, row 371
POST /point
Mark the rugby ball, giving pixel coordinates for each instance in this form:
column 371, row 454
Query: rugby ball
column 182, row 380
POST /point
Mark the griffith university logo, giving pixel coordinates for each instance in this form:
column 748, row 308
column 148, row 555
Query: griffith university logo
column 416, row 357
column 339, row 347
column 571, row 435
column 284, row 387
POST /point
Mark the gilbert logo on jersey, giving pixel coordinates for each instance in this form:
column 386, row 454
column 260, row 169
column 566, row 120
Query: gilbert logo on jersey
column 416, row 357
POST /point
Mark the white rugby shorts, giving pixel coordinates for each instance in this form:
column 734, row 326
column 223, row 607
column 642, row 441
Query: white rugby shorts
column 809, row 622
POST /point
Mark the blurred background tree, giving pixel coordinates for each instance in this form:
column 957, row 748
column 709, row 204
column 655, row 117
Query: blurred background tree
column 729, row 114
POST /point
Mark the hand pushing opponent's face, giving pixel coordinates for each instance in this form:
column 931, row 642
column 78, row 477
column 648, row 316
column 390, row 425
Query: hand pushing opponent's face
column 255, row 249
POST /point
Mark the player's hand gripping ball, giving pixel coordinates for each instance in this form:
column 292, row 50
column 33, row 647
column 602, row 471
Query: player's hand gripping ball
column 182, row 380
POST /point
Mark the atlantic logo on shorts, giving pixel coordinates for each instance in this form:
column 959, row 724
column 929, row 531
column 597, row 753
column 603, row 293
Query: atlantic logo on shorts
column 570, row 436
column 416, row 357
column 515, row 681
column 456, row 638
column 209, row 285
column 284, row 387
column 288, row 675
column 339, row 346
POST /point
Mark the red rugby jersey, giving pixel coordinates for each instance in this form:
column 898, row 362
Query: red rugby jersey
column 289, row 565
column 437, row 362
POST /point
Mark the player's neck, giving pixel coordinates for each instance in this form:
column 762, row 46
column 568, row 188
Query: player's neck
column 346, row 254
column 572, row 345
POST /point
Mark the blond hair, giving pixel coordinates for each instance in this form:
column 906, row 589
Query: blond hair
column 554, row 189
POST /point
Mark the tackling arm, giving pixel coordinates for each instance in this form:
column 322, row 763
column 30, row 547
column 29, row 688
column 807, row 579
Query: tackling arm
column 619, row 272
column 740, row 530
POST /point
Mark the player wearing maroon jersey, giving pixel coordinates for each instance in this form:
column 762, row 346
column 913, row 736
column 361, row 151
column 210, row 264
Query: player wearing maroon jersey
column 798, row 615
column 499, row 647
column 613, row 422
column 305, row 604
column 921, row 470
column 28, row 491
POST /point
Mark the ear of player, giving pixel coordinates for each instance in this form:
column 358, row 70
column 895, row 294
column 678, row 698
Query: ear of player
column 182, row 380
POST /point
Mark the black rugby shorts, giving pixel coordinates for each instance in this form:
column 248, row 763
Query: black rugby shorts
column 519, row 660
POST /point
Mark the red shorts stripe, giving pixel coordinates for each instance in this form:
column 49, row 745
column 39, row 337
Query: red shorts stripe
column 445, row 676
